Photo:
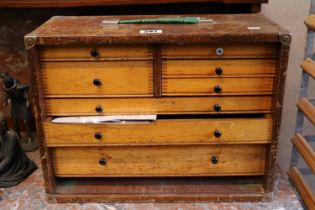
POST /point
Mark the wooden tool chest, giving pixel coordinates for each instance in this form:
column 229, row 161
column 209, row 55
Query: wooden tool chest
column 216, row 88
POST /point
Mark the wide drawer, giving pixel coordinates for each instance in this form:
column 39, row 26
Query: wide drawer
column 220, row 50
column 97, row 78
column 219, row 160
column 211, row 86
column 220, row 68
column 95, row 52
column 164, row 131
column 167, row 105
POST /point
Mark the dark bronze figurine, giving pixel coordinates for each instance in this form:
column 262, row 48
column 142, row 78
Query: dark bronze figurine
column 14, row 164
column 17, row 95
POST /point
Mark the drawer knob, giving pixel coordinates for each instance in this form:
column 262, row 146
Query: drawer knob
column 217, row 133
column 217, row 89
column 218, row 70
column 97, row 82
column 98, row 108
column 214, row 159
column 98, row 135
column 94, row 53
column 219, row 51
column 217, row 107
column 102, row 161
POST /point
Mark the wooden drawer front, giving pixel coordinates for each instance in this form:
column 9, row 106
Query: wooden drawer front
column 116, row 77
column 167, row 132
column 203, row 105
column 96, row 52
column 224, row 50
column 159, row 161
column 210, row 86
column 186, row 68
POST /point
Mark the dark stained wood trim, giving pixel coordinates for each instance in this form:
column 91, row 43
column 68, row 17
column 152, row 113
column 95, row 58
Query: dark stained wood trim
column 91, row 3
column 157, row 71
column 40, row 115
column 255, row 8
column 277, row 104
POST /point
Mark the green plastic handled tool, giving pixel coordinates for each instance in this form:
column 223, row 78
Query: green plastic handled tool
column 176, row 20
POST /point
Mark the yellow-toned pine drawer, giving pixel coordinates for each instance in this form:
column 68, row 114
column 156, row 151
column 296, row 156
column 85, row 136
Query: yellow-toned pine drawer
column 95, row 52
column 164, row 131
column 67, row 79
column 210, row 86
column 167, row 105
column 219, row 160
column 218, row 67
column 220, row 50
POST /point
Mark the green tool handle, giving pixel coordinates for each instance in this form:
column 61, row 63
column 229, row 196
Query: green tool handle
column 178, row 20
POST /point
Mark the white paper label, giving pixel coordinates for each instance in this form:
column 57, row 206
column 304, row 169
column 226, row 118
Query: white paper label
column 254, row 28
column 151, row 31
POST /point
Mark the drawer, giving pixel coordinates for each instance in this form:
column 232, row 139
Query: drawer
column 65, row 79
column 220, row 50
column 174, row 105
column 166, row 132
column 221, row 68
column 221, row 86
column 221, row 160
column 95, row 52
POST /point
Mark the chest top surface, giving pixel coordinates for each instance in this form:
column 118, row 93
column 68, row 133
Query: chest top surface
column 62, row 30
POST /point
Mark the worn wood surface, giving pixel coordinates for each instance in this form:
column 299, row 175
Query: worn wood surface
column 310, row 22
column 206, row 68
column 306, row 193
column 206, row 86
column 116, row 77
column 161, row 132
column 159, row 161
column 309, row 66
column 92, row 31
column 89, row 3
column 307, row 108
column 172, row 105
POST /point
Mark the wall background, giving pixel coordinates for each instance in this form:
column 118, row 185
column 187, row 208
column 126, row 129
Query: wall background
column 291, row 15
column 14, row 24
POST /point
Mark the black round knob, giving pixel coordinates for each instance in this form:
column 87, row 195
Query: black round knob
column 94, row 53
column 98, row 135
column 214, row 159
column 98, row 108
column 217, row 107
column 217, row 133
column 102, row 161
column 218, row 70
column 217, row 89
column 97, row 82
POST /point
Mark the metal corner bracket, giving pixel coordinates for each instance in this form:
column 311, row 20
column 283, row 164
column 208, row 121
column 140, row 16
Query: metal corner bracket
column 30, row 41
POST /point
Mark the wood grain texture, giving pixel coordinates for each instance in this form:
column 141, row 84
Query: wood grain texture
column 55, row 53
column 157, row 71
column 161, row 132
column 159, row 161
column 205, row 86
column 305, row 150
column 308, row 66
column 305, row 192
column 173, row 105
column 117, row 78
column 307, row 108
column 310, row 22
column 206, row 68
column 89, row 3
column 231, row 50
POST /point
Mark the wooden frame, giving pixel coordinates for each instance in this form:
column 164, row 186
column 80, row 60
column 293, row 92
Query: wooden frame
column 184, row 189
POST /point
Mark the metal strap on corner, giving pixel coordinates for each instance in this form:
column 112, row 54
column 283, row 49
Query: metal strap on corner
column 30, row 41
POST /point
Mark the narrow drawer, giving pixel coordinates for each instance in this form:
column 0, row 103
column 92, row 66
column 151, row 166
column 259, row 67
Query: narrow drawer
column 220, row 68
column 95, row 52
column 220, row 50
column 166, row 132
column 174, row 105
column 223, row 160
column 210, row 86
column 66, row 79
